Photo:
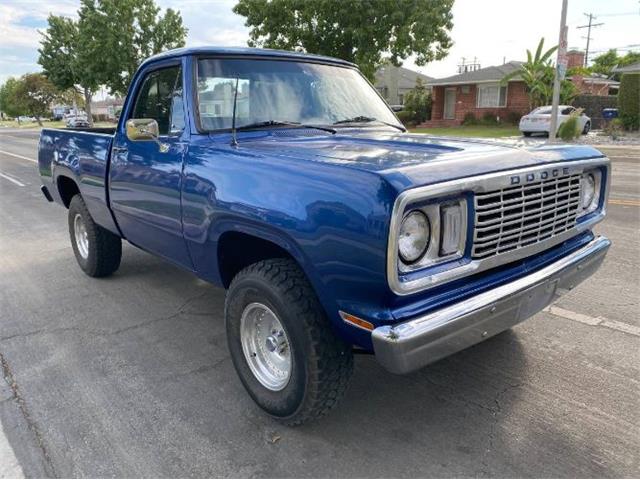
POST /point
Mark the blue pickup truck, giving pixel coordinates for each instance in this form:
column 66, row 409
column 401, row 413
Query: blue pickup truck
column 287, row 180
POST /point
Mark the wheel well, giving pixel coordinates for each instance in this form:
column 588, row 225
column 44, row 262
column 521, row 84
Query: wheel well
column 67, row 188
column 239, row 250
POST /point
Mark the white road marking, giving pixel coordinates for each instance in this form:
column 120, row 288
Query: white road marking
column 18, row 156
column 12, row 180
column 9, row 466
column 594, row 321
column 621, row 326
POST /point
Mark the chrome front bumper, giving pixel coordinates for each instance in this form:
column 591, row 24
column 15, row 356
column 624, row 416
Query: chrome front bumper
column 415, row 343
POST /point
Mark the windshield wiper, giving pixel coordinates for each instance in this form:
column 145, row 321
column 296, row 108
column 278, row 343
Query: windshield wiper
column 365, row 119
column 278, row 123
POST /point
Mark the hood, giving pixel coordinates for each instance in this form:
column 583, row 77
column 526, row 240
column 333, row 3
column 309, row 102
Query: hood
column 411, row 160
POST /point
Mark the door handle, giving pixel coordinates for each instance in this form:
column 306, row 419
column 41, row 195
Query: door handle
column 120, row 149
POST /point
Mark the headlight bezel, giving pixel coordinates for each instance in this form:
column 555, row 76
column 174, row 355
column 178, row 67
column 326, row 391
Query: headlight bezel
column 594, row 204
column 432, row 255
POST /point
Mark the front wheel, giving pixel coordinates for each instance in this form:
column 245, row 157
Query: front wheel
column 526, row 134
column 587, row 127
column 286, row 355
column 98, row 251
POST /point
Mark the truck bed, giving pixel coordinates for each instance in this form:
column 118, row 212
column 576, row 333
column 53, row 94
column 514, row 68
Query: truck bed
column 81, row 155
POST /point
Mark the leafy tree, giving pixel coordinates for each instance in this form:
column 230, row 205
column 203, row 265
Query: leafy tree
column 418, row 100
column 9, row 102
column 605, row 63
column 106, row 45
column 117, row 35
column 568, row 92
column 60, row 58
column 538, row 73
column 629, row 101
column 629, row 58
column 358, row 31
column 36, row 93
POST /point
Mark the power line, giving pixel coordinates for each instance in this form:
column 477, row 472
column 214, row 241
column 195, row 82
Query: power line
column 623, row 14
column 624, row 48
column 592, row 17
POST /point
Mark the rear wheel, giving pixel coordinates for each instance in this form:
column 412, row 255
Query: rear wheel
column 98, row 251
column 286, row 355
column 526, row 134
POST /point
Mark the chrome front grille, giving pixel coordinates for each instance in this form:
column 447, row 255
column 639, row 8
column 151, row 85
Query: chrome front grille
column 523, row 215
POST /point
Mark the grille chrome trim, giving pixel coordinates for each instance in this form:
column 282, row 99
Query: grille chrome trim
column 479, row 185
column 524, row 215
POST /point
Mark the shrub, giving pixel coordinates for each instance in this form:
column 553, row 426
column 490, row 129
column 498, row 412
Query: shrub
column 613, row 129
column 470, row 119
column 513, row 118
column 489, row 118
column 629, row 101
column 571, row 128
column 418, row 100
column 407, row 117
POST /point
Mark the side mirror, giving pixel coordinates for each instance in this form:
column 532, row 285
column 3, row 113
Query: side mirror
column 139, row 129
column 397, row 108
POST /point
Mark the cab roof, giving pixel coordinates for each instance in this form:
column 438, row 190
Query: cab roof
column 245, row 51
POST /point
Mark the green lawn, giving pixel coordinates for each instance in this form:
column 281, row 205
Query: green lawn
column 472, row 131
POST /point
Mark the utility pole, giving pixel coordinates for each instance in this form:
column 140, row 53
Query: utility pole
column 561, row 70
column 592, row 17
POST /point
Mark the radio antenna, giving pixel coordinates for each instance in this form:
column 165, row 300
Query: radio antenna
column 234, row 139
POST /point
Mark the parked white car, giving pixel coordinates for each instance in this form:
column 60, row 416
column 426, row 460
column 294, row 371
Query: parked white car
column 538, row 121
column 71, row 115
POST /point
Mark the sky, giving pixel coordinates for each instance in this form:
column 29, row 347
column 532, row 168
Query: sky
column 492, row 31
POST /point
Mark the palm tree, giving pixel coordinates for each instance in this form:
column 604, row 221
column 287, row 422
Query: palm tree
column 537, row 74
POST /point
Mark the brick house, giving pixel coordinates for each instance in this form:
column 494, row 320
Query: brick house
column 593, row 84
column 479, row 92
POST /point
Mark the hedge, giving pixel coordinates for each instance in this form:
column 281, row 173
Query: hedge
column 629, row 101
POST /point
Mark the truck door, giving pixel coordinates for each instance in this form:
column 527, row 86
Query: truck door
column 145, row 176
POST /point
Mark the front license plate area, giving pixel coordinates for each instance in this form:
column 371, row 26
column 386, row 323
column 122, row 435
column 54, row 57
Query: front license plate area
column 537, row 298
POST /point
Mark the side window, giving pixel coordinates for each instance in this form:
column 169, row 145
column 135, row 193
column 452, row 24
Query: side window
column 160, row 98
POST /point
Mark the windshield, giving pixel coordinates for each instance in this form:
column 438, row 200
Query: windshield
column 285, row 91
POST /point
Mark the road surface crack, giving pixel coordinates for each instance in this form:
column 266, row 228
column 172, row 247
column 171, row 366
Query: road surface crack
column 495, row 412
column 17, row 397
column 178, row 312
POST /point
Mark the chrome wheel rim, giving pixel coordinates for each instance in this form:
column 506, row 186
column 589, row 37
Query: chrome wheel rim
column 265, row 346
column 81, row 236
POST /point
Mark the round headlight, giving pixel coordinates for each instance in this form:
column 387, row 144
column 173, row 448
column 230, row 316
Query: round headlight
column 413, row 240
column 588, row 190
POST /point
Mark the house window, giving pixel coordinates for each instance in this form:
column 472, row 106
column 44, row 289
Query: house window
column 401, row 99
column 492, row 96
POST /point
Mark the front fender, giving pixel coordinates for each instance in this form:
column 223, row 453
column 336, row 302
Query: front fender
column 333, row 220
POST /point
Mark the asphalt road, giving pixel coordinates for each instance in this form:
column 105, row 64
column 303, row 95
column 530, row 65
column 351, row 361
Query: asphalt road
column 130, row 376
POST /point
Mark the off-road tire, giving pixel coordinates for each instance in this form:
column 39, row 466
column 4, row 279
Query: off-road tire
column 105, row 248
column 322, row 364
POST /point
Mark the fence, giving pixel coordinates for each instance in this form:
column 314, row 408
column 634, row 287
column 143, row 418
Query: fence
column 593, row 105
